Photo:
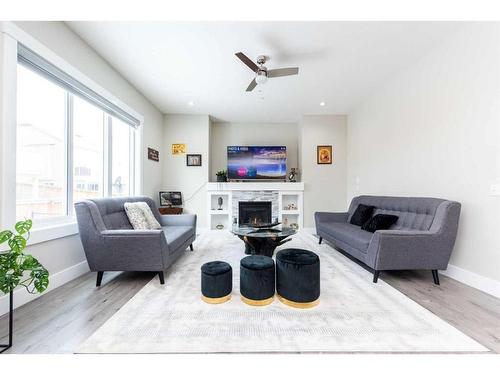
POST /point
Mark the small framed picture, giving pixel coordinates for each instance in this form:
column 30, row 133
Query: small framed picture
column 153, row 154
column 178, row 148
column 193, row 160
column 324, row 155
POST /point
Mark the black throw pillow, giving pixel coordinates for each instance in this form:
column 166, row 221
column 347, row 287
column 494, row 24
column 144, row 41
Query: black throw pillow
column 379, row 222
column 362, row 214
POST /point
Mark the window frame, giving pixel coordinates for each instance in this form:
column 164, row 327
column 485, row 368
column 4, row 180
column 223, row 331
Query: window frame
column 10, row 37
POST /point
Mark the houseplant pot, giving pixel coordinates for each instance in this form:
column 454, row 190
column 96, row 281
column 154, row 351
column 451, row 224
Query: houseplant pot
column 221, row 176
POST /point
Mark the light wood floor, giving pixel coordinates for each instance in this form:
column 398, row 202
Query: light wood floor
column 60, row 320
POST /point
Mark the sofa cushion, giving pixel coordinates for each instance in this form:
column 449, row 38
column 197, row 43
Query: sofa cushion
column 177, row 235
column 362, row 214
column 380, row 222
column 348, row 233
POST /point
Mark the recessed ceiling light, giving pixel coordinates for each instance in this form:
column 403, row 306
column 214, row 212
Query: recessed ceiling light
column 322, row 104
column 190, row 103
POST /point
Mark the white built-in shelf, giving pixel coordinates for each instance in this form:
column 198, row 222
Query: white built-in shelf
column 219, row 212
column 288, row 193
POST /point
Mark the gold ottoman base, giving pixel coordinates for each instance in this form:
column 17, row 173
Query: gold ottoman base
column 257, row 302
column 298, row 305
column 215, row 301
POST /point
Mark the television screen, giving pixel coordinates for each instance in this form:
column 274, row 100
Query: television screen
column 256, row 162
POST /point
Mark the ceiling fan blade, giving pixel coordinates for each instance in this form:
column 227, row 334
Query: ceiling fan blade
column 282, row 72
column 247, row 61
column 252, row 85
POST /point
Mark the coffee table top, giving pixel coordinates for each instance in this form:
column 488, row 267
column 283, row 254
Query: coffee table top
column 278, row 231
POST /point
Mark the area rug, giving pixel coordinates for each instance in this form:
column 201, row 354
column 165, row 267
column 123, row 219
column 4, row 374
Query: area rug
column 354, row 314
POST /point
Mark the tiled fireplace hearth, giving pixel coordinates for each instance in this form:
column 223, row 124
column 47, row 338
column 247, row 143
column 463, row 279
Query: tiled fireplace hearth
column 285, row 199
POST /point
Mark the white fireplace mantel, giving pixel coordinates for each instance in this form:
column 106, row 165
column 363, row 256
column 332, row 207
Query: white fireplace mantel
column 255, row 186
column 287, row 198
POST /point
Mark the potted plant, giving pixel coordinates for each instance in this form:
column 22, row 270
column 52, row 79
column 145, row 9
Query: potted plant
column 221, row 176
column 19, row 269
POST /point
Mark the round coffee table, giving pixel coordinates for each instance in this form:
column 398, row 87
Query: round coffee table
column 263, row 241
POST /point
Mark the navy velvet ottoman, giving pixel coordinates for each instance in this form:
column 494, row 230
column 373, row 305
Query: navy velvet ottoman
column 257, row 280
column 216, row 282
column 297, row 278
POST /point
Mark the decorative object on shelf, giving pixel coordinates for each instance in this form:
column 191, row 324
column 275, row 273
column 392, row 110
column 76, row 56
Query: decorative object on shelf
column 178, row 148
column 294, row 226
column 324, row 154
column 220, row 201
column 193, row 160
column 220, row 226
column 19, row 269
column 290, row 206
column 153, row 154
column 292, row 175
column 170, row 198
column 221, row 176
column 170, row 210
column 285, row 222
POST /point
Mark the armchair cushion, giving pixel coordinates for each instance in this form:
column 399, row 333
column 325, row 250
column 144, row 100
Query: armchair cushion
column 141, row 216
column 379, row 222
column 177, row 235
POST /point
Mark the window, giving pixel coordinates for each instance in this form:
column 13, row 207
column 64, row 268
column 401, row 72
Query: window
column 72, row 144
column 40, row 155
column 88, row 150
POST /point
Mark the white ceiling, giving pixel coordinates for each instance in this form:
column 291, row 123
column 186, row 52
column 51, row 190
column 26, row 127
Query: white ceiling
column 173, row 63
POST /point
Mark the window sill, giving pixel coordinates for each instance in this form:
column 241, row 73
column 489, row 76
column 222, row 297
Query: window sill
column 52, row 232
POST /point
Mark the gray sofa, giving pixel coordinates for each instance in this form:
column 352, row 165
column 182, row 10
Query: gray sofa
column 111, row 244
column 422, row 238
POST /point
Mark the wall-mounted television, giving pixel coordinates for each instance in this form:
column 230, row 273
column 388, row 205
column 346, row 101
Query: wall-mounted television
column 256, row 163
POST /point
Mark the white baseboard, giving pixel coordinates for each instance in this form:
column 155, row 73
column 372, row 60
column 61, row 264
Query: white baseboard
column 21, row 296
column 474, row 280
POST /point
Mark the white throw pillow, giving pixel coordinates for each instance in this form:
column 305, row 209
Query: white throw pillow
column 141, row 216
column 148, row 214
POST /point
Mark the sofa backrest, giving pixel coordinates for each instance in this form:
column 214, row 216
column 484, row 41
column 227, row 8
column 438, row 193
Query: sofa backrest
column 113, row 214
column 414, row 213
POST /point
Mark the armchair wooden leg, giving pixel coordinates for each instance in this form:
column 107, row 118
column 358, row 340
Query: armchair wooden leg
column 99, row 278
column 375, row 276
column 320, row 240
column 191, row 247
column 162, row 277
column 435, row 276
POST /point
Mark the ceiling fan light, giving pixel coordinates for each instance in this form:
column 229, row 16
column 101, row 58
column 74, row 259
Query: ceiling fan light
column 261, row 78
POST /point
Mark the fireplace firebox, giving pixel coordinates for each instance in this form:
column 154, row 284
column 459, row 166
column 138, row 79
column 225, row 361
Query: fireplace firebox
column 254, row 213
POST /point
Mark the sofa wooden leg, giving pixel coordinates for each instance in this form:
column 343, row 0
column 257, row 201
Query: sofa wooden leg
column 162, row 277
column 435, row 276
column 375, row 276
column 99, row 278
column 191, row 247
column 320, row 240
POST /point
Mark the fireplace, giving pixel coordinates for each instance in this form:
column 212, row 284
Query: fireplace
column 254, row 212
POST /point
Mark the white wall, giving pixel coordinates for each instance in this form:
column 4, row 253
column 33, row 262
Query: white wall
column 225, row 134
column 64, row 257
column 194, row 131
column 324, row 184
column 433, row 130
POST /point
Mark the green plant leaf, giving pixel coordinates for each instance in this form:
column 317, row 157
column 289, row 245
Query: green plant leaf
column 17, row 244
column 5, row 235
column 23, row 226
column 41, row 279
column 30, row 263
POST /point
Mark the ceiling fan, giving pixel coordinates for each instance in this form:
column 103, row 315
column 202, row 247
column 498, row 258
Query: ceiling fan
column 262, row 74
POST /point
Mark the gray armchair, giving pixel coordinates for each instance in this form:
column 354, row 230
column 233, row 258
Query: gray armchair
column 422, row 238
column 111, row 244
